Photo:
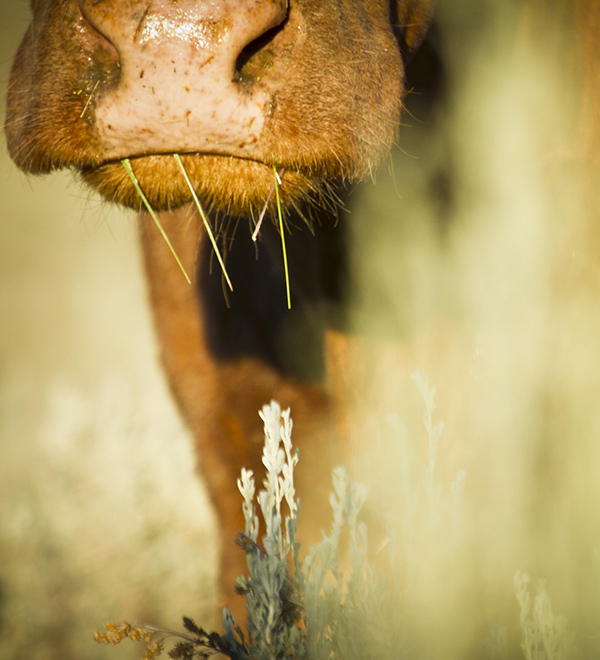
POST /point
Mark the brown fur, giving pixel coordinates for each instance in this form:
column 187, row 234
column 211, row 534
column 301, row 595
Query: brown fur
column 221, row 401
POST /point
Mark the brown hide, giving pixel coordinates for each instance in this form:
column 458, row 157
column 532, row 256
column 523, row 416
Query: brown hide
column 311, row 87
column 220, row 400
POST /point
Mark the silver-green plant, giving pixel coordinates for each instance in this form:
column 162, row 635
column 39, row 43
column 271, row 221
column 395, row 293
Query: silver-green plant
column 308, row 608
column 325, row 607
column 269, row 588
column 544, row 635
column 434, row 433
column 328, row 601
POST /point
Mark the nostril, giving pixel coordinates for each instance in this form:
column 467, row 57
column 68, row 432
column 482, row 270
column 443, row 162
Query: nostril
column 92, row 33
column 257, row 57
column 103, row 57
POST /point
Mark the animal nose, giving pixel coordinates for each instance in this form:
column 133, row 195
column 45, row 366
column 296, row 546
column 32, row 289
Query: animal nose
column 218, row 29
column 177, row 69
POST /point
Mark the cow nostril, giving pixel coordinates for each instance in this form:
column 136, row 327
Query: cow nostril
column 257, row 57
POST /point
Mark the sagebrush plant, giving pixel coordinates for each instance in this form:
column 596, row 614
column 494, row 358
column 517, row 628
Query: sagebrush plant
column 291, row 614
column 544, row 635
column 310, row 608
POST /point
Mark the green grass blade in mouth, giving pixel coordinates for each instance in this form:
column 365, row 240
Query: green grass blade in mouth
column 204, row 219
column 127, row 165
column 281, row 231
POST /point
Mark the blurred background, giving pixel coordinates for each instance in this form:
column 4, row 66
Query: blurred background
column 476, row 260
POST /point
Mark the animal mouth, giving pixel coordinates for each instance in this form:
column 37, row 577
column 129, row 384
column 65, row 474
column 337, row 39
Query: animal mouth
column 223, row 183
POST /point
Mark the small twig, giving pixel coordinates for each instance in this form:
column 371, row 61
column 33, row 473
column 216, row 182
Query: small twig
column 89, row 100
column 264, row 208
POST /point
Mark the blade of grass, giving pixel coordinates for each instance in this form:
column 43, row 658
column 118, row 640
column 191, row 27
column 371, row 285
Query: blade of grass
column 204, row 219
column 281, row 231
column 127, row 165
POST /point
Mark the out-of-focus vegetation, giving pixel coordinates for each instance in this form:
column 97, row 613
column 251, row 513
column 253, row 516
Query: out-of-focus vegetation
column 480, row 252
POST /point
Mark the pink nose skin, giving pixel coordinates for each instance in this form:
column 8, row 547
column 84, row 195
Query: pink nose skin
column 176, row 90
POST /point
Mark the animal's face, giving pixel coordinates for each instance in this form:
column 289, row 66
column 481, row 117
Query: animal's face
column 313, row 87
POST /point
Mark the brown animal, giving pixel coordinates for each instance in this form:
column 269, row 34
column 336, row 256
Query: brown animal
column 312, row 88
